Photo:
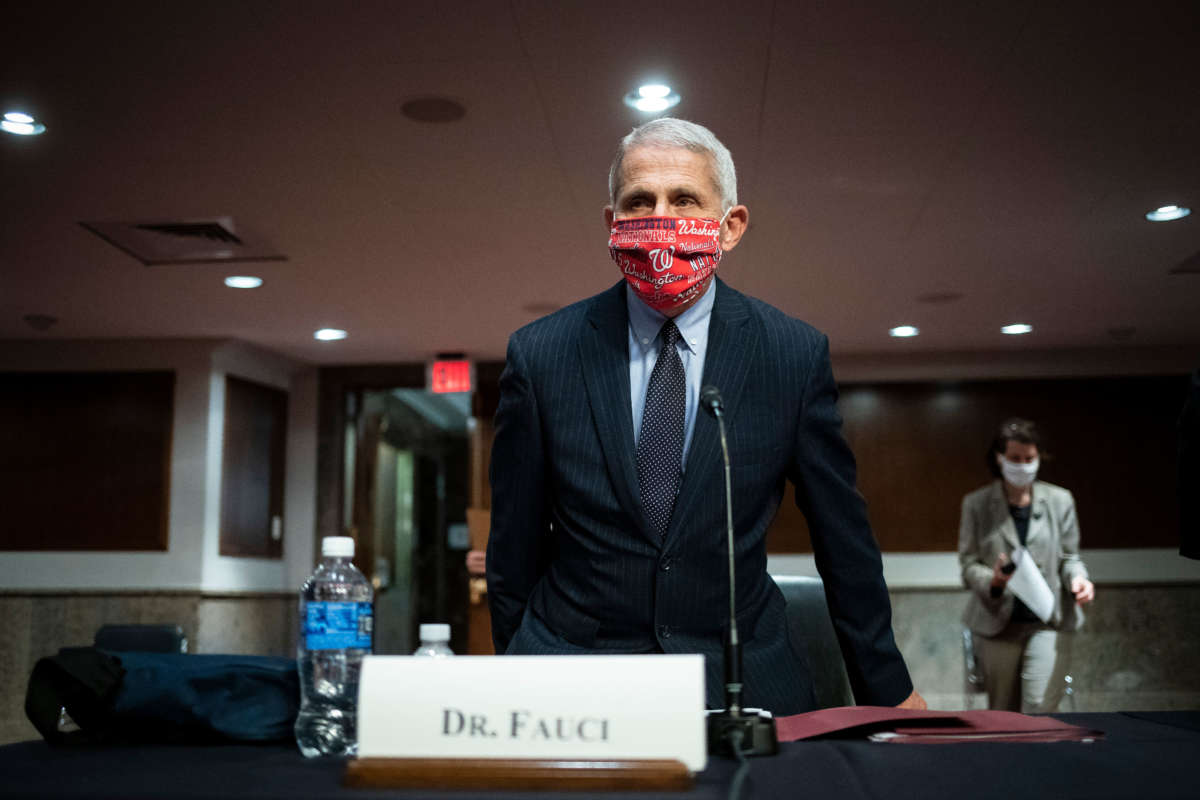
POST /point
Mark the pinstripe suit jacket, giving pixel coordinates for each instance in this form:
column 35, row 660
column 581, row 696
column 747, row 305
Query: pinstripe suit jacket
column 570, row 543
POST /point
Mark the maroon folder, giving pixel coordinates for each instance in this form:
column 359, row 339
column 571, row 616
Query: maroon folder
column 903, row 725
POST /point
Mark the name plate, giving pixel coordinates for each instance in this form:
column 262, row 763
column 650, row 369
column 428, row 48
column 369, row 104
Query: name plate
column 591, row 708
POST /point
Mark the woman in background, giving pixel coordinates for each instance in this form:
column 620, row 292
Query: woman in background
column 1024, row 659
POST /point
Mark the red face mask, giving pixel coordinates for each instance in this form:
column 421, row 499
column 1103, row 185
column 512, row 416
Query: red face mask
column 666, row 260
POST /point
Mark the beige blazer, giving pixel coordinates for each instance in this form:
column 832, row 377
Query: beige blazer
column 986, row 530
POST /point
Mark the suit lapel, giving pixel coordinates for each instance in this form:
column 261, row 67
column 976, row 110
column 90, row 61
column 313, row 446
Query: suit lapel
column 1039, row 520
column 731, row 348
column 1000, row 512
column 604, row 356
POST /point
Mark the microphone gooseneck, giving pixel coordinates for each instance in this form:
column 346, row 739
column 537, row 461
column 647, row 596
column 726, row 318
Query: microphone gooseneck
column 731, row 732
column 710, row 398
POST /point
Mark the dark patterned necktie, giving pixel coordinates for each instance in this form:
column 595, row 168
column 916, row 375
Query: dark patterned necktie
column 660, row 442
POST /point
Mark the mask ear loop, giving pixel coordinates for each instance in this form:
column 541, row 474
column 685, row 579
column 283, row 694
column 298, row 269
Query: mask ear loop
column 721, row 223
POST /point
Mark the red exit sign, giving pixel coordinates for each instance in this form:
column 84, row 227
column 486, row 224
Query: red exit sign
column 450, row 376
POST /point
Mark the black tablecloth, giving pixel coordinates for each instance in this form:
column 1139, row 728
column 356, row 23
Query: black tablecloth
column 1143, row 755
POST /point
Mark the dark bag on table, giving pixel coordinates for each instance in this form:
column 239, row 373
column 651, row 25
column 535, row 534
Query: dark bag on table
column 132, row 697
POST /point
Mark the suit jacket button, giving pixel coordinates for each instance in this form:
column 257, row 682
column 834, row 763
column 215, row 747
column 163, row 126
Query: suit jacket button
column 665, row 564
column 664, row 631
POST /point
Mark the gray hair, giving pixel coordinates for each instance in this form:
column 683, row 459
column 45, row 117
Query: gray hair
column 671, row 132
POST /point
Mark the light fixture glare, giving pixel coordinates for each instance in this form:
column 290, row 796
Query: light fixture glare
column 650, row 98
column 649, row 90
column 329, row 334
column 652, row 104
column 22, row 128
column 1016, row 329
column 243, row 282
column 904, row 331
column 1168, row 213
column 19, row 116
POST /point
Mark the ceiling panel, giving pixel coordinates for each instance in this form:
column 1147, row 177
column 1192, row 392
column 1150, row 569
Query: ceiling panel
column 1004, row 151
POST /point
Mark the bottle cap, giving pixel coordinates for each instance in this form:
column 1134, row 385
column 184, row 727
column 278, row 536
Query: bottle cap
column 435, row 632
column 337, row 546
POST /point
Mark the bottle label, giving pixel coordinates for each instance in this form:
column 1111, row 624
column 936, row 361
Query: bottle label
column 334, row 626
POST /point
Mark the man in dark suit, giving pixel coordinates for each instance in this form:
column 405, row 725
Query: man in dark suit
column 608, row 516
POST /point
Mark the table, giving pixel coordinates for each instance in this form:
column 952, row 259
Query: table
column 1144, row 755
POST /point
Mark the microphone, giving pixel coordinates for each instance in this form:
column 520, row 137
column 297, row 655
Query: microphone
column 710, row 398
column 733, row 732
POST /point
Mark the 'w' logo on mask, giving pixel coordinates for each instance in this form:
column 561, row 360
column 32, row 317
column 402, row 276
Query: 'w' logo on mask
column 661, row 258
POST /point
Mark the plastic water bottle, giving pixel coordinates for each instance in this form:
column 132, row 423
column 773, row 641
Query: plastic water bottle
column 435, row 641
column 336, row 623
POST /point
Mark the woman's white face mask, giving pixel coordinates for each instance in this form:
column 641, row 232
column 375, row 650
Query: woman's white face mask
column 1019, row 475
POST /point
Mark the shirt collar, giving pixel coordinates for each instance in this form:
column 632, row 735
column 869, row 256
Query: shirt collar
column 645, row 322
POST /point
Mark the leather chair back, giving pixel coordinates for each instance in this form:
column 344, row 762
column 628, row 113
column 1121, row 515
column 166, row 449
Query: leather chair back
column 809, row 625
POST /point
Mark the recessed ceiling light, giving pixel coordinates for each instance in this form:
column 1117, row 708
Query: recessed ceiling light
column 1168, row 213
column 1016, row 329
column 243, row 282
column 329, row 334
column 652, row 97
column 904, row 331
column 21, row 124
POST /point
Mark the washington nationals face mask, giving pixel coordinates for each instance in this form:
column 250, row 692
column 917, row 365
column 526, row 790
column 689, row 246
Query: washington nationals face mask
column 666, row 260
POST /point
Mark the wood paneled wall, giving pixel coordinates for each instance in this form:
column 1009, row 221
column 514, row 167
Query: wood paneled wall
column 85, row 460
column 253, row 467
column 922, row 446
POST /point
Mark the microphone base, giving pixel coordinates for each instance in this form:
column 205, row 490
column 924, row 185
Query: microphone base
column 758, row 733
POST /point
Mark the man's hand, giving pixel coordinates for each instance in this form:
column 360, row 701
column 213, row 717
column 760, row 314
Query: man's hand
column 477, row 562
column 914, row 701
column 1084, row 591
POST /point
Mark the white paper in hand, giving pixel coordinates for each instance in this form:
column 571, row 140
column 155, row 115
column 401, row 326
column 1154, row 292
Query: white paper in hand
column 1030, row 587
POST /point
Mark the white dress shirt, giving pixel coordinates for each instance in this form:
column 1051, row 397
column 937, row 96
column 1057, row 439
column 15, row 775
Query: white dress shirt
column 644, row 344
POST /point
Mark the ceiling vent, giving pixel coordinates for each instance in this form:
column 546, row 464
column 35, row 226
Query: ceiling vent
column 215, row 239
column 1191, row 264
